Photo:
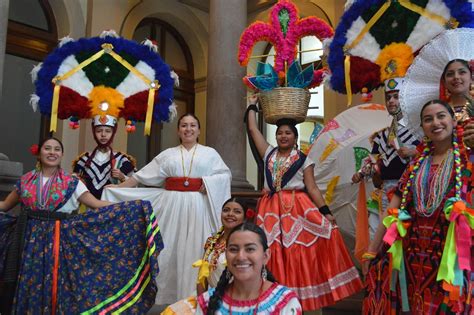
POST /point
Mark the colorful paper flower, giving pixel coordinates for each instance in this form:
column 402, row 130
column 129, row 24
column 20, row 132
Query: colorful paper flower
column 284, row 31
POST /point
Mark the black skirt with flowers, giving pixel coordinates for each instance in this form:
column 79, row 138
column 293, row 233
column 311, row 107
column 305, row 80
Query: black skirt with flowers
column 101, row 261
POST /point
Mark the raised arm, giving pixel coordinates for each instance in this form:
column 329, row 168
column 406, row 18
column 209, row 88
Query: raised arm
column 12, row 200
column 260, row 143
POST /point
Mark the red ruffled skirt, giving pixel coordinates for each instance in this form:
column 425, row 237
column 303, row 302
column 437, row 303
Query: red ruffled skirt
column 308, row 254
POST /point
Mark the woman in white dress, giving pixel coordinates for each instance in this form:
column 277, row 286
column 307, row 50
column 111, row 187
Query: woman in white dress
column 193, row 183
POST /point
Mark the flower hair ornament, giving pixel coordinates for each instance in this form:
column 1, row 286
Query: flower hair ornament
column 105, row 78
column 250, row 214
column 34, row 150
column 375, row 37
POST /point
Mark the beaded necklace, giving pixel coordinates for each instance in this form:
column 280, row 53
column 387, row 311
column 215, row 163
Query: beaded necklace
column 215, row 248
column 280, row 166
column 43, row 192
column 431, row 184
column 186, row 177
column 420, row 206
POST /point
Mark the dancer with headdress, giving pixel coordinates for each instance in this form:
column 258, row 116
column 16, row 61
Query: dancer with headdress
column 392, row 147
column 443, row 69
column 105, row 259
column 308, row 253
column 303, row 237
column 103, row 166
column 433, row 198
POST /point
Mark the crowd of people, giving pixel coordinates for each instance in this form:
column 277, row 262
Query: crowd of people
column 171, row 234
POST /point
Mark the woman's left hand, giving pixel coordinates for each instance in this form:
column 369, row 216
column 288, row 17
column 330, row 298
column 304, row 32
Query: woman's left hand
column 331, row 218
column 202, row 189
column 468, row 134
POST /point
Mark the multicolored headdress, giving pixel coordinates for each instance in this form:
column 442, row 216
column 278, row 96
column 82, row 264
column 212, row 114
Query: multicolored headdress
column 376, row 40
column 104, row 78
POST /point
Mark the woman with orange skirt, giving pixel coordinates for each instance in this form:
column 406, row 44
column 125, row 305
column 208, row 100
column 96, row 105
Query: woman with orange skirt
column 308, row 254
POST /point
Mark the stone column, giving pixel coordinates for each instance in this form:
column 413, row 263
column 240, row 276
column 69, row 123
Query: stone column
column 10, row 171
column 3, row 38
column 226, row 102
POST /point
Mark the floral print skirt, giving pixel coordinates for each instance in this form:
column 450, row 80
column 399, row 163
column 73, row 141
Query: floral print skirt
column 102, row 261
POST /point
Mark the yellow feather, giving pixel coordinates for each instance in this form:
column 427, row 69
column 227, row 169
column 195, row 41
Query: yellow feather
column 330, row 191
column 100, row 94
column 394, row 60
column 332, row 145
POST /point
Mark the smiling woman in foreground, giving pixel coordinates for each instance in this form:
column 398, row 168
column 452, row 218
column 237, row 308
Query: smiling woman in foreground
column 245, row 286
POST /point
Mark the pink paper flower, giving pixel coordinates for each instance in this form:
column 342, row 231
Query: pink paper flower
column 284, row 31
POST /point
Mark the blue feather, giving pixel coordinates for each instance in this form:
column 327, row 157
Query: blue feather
column 460, row 10
column 50, row 67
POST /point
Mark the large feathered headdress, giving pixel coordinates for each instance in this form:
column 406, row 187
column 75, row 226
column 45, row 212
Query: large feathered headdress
column 103, row 77
column 376, row 40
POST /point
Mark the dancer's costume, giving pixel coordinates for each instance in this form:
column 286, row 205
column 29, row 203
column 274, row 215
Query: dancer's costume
column 188, row 216
column 275, row 300
column 64, row 262
column 95, row 167
column 104, row 260
column 211, row 266
column 385, row 143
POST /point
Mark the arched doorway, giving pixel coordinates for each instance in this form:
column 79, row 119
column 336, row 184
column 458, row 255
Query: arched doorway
column 174, row 51
column 31, row 35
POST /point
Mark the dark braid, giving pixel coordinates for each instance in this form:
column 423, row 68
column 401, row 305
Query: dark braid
column 271, row 277
column 216, row 299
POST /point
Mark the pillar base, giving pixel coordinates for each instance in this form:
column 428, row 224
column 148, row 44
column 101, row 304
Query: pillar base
column 241, row 184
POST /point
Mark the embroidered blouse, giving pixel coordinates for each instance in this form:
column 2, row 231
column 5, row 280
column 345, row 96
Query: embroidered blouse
column 275, row 300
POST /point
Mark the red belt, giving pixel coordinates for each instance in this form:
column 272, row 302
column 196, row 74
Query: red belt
column 183, row 184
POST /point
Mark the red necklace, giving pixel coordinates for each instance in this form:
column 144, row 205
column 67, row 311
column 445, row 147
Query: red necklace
column 258, row 299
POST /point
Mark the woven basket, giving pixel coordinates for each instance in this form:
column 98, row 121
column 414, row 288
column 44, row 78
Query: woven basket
column 285, row 102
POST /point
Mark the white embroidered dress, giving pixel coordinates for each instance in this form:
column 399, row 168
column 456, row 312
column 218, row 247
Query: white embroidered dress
column 187, row 218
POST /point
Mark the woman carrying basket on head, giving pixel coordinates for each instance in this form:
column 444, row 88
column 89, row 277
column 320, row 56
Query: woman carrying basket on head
column 307, row 251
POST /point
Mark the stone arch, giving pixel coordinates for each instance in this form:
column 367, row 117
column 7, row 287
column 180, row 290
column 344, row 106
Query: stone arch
column 182, row 18
column 70, row 18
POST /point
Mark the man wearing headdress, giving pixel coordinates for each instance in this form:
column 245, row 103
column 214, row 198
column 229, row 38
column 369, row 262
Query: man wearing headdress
column 103, row 165
column 392, row 147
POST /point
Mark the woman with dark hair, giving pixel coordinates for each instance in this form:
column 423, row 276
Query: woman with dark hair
column 428, row 226
column 455, row 86
column 58, row 261
column 192, row 182
column 246, row 286
column 234, row 212
column 307, row 250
